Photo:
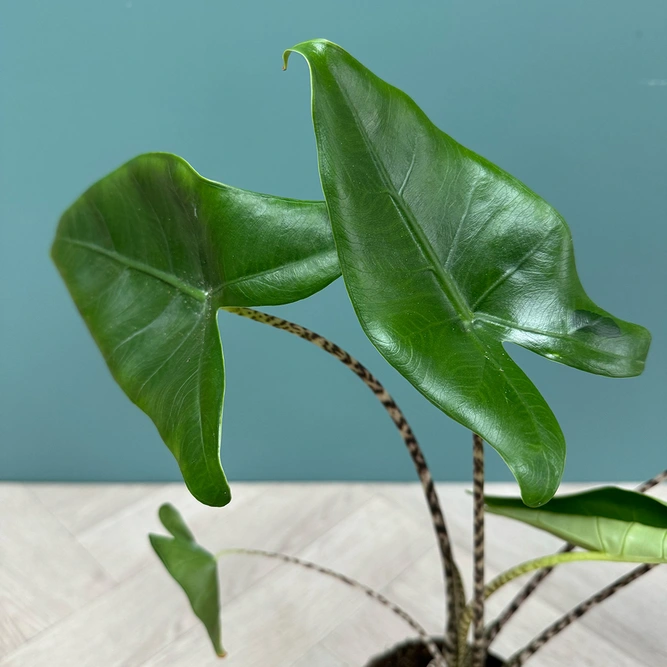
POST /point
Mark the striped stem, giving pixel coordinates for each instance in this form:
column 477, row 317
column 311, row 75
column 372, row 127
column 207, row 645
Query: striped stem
column 654, row 481
column 520, row 657
column 494, row 628
column 478, row 645
column 518, row 571
column 454, row 590
column 438, row 658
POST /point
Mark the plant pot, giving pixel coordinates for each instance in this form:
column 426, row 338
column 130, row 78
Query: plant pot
column 413, row 653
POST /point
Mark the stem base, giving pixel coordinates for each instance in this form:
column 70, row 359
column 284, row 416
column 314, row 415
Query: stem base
column 413, row 653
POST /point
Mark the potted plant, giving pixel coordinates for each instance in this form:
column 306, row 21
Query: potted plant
column 445, row 257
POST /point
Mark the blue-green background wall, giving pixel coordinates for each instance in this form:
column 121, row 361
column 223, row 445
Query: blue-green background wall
column 569, row 96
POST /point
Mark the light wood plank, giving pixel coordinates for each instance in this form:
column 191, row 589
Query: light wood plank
column 121, row 628
column 367, row 632
column 318, row 656
column 262, row 515
column 82, row 506
column 147, row 610
column 99, row 596
column 45, row 574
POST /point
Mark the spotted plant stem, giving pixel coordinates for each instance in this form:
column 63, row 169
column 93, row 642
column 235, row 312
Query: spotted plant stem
column 520, row 657
column 654, row 481
column 438, row 658
column 478, row 645
column 511, row 609
column 455, row 595
column 518, row 571
column 494, row 628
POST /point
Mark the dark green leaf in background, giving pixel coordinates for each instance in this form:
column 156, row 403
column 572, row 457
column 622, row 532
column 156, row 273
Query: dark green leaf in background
column 626, row 524
column 193, row 568
column 149, row 254
column 445, row 257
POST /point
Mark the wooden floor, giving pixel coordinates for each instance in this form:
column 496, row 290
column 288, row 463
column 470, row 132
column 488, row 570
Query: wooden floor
column 80, row 586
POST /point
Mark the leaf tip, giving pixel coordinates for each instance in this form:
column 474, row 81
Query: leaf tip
column 166, row 512
column 535, row 499
column 308, row 49
column 215, row 493
column 219, row 498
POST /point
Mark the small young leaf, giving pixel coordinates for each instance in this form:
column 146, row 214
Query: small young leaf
column 193, row 568
column 626, row 524
column 149, row 255
column 173, row 521
column 445, row 257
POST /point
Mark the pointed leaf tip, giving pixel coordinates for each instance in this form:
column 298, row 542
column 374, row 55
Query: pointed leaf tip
column 173, row 521
column 308, row 49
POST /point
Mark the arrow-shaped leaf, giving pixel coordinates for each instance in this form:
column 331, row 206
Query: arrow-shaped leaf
column 446, row 257
column 149, row 254
column 193, row 568
column 628, row 525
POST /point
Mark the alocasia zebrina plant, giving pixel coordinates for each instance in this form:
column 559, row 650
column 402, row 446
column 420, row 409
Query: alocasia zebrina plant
column 445, row 258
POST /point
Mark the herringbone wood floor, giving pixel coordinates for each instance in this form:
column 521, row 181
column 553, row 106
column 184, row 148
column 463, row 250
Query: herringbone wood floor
column 79, row 585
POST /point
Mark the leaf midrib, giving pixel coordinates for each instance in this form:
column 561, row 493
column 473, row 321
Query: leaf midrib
column 447, row 283
column 183, row 286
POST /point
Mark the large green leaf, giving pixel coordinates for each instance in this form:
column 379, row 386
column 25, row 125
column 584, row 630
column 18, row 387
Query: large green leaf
column 149, row 254
column 195, row 570
column 446, row 257
column 626, row 524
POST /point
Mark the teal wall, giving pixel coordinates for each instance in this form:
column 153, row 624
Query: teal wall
column 569, row 96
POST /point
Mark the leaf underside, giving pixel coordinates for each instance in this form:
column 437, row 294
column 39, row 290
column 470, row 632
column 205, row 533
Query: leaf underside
column 629, row 525
column 193, row 568
column 446, row 257
column 149, row 254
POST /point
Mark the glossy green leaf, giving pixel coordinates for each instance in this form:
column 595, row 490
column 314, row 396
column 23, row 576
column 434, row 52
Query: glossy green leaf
column 625, row 524
column 193, row 568
column 446, row 257
column 149, row 254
